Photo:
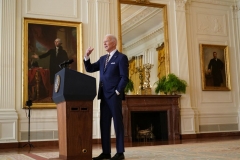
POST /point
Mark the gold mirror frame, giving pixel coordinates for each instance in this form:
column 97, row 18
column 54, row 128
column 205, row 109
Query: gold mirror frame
column 148, row 4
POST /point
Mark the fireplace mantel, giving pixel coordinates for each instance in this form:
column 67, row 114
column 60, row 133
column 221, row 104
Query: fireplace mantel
column 169, row 103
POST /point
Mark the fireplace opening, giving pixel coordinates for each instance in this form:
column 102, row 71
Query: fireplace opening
column 149, row 126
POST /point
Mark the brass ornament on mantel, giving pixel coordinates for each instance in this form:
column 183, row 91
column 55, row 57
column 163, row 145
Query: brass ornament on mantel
column 143, row 1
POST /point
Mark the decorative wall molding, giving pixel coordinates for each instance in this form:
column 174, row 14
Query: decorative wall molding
column 63, row 8
column 215, row 2
column 214, row 122
column 211, row 24
column 8, row 126
column 180, row 4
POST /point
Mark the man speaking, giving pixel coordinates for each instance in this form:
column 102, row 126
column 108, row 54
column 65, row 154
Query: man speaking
column 113, row 69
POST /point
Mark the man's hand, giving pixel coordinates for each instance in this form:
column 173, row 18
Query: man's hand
column 35, row 56
column 89, row 51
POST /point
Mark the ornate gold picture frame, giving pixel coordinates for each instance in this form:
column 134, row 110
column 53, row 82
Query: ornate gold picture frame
column 39, row 37
column 215, row 67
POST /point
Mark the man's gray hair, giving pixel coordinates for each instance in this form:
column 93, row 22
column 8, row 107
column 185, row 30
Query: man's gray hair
column 112, row 37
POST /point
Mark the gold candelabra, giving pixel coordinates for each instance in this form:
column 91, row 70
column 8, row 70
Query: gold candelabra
column 144, row 64
column 146, row 86
column 140, row 70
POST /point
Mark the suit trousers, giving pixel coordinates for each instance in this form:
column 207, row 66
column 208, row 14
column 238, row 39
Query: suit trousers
column 111, row 108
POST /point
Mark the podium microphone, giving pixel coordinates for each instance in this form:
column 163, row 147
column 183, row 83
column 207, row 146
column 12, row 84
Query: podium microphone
column 66, row 63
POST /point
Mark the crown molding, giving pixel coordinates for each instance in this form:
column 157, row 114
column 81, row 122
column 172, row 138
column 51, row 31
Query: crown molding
column 141, row 40
column 138, row 18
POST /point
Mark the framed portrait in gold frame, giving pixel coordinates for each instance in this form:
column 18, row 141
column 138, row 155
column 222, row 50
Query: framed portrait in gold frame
column 215, row 67
column 39, row 38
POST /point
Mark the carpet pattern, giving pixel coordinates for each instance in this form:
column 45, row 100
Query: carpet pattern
column 15, row 157
column 221, row 150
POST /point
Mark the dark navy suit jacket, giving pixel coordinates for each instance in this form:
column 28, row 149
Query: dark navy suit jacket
column 115, row 76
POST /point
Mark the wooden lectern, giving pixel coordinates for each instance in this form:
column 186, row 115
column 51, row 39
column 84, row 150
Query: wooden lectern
column 73, row 92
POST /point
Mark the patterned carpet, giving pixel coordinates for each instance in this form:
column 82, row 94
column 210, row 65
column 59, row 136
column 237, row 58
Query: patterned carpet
column 223, row 150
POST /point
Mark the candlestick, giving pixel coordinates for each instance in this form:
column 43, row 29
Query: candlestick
column 135, row 59
column 150, row 57
column 147, row 87
column 143, row 59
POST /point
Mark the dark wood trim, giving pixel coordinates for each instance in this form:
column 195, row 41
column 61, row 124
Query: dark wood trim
column 35, row 144
column 98, row 141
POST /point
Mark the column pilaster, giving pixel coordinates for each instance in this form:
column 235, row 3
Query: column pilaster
column 187, row 112
column 8, row 115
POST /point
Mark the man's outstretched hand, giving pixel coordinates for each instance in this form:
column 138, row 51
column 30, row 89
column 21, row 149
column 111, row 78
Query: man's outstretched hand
column 89, row 51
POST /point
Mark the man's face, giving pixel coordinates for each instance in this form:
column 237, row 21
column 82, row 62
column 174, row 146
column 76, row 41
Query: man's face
column 109, row 44
column 215, row 55
column 57, row 43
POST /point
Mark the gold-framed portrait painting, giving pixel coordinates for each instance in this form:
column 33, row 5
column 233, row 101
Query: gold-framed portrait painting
column 47, row 44
column 215, row 67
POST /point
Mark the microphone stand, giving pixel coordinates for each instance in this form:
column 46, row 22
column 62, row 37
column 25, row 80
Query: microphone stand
column 66, row 64
column 29, row 104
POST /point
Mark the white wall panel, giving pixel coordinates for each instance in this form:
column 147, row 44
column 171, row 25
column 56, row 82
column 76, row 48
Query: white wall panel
column 39, row 124
column 60, row 8
column 96, row 126
column 214, row 97
column 187, row 124
column 8, row 129
column 218, row 119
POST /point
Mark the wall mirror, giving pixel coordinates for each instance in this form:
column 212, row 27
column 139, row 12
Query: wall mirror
column 143, row 37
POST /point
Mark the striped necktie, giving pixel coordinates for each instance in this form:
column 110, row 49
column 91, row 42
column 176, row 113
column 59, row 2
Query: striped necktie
column 106, row 62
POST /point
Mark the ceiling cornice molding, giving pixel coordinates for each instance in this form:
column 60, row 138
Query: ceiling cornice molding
column 138, row 19
column 139, row 41
column 125, row 7
column 137, row 14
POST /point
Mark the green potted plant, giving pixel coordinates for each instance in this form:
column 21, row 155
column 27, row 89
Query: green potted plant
column 160, row 85
column 129, row 86
column 170, row 84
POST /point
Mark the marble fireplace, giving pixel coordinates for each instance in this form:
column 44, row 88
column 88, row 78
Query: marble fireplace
column 161, row 113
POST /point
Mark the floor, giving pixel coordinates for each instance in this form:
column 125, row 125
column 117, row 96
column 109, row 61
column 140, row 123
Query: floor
column 189, row 149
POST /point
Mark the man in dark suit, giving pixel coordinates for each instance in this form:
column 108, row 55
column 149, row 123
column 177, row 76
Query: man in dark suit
column 113, row 69
column 215, row 67
column 57, row 56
